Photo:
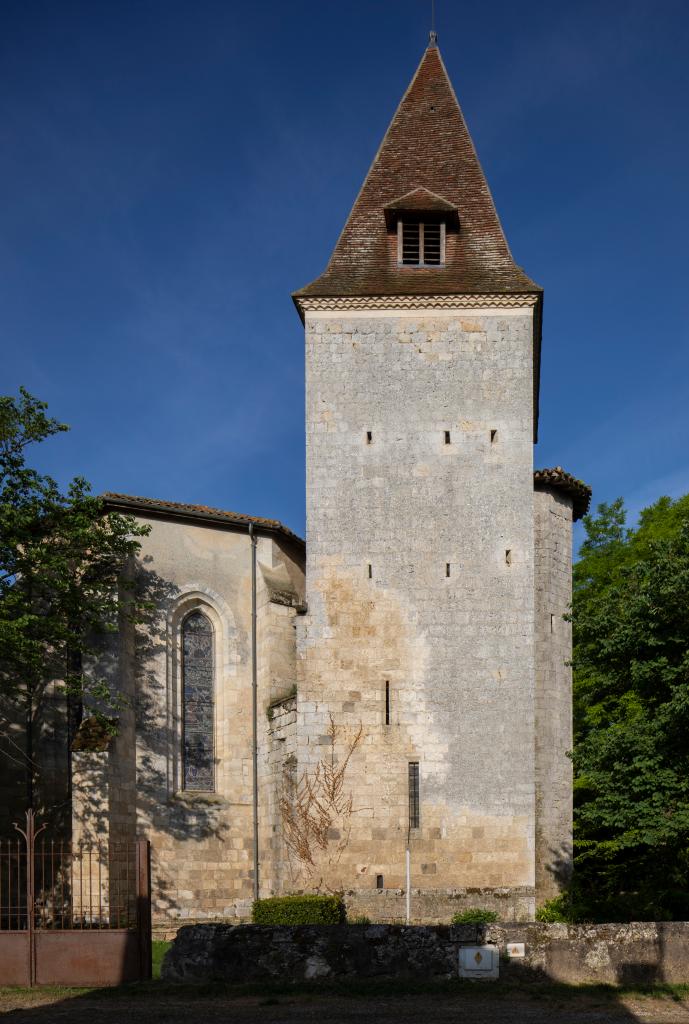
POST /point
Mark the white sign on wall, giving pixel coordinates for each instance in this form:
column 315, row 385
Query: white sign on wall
column 516, row 950
column 480, row 962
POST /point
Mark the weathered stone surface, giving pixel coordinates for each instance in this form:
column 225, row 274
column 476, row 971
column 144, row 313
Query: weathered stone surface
column 303, row 953
column 553, row 656
column 607, row 953
column 438, row 906
column 600, row 953
column 419, row 484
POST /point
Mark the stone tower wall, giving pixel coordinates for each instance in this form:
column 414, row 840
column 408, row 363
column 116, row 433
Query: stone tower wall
column 455, row 650
column 553, row 652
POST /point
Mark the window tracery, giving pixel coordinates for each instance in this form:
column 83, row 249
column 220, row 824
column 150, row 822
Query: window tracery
column 198, row 703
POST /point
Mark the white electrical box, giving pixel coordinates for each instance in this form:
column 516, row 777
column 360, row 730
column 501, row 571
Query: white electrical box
column 479, row 962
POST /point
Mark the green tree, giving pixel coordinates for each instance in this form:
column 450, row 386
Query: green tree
column 61, row 582
column 631, row 713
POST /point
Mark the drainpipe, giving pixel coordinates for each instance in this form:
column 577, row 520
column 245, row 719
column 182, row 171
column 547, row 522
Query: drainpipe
column 254, row 704
column 408, row 867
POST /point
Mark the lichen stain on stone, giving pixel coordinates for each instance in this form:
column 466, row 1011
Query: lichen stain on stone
column 368, row 637
column 472, row 327
column 475, row 849
column 372, row 638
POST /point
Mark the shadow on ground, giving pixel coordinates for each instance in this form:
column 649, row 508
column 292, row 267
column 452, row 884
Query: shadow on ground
column 383, row 1001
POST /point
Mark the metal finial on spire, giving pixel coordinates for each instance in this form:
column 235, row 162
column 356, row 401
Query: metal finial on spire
column 433, row 35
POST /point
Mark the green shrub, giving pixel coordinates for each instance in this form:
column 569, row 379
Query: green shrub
column 311, row 909
column 359, row 919
column 555, row 911
column 475, row 915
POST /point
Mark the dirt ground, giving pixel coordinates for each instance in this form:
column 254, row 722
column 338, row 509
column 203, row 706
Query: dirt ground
column 167, row 1006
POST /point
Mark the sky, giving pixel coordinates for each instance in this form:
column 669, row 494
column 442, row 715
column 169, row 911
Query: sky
column 171, row 171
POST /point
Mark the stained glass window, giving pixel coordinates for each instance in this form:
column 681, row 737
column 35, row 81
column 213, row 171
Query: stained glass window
column 197, row 702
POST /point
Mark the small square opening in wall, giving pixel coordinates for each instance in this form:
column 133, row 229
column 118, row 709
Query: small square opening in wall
column 379, row 882
column 493, row 436
column 447, row 437
column 508, row 556
column 369, row 437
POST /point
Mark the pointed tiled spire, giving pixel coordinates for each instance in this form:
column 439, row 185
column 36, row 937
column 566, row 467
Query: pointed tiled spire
column 427, row 146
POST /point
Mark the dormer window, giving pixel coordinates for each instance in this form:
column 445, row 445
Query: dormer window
column 420, row 243
column 421, row 220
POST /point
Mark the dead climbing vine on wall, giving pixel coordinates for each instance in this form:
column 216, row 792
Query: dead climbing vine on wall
column 316, row 808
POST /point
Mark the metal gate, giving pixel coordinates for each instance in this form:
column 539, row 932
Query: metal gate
column 73, row 914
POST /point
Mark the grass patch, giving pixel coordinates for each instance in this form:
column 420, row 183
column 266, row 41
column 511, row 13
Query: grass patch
column 159, row 951
column 658, row 990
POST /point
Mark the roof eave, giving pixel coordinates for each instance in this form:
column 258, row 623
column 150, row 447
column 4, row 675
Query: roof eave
column 163, row 512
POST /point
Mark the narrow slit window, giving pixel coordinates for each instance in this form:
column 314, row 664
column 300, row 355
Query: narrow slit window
column 414, row 814
column 447, row 437
column 198, row 712
column 370, row 571
column 447, row 569
column 369, row 436
column 508, row 557
column 420, row 244
column 379, row 882
column 387, row 702
column 493, row 436
column 552, row 623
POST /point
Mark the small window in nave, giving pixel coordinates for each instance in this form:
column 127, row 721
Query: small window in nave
column 198, row 705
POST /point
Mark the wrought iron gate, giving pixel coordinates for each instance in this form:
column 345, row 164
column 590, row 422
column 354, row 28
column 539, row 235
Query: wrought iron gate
column 73, row 914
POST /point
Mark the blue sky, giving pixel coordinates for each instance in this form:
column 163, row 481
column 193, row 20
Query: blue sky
column 171, row 171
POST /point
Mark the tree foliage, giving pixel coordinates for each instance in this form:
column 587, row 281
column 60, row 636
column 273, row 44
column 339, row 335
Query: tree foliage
column 631, row 713
column 61, row 575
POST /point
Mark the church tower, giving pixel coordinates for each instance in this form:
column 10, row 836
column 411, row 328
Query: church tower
column 417, row 651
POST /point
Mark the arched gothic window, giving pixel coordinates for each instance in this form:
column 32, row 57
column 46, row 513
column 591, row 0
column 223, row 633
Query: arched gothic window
column 198, row 703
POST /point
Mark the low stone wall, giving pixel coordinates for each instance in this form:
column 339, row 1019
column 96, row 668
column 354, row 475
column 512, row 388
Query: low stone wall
column 576, row 954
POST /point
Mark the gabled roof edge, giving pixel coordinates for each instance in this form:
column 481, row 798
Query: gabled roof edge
column 200, row 513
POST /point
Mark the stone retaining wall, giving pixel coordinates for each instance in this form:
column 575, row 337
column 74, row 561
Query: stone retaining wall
column 575, row 954
column 438, row 906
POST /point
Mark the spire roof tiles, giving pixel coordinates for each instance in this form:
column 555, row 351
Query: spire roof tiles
column 427, row 147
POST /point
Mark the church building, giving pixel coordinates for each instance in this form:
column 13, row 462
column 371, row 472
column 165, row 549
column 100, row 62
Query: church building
column 386, row 709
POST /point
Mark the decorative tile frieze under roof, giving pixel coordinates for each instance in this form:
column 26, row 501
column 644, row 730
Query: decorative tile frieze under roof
column 559, row 480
